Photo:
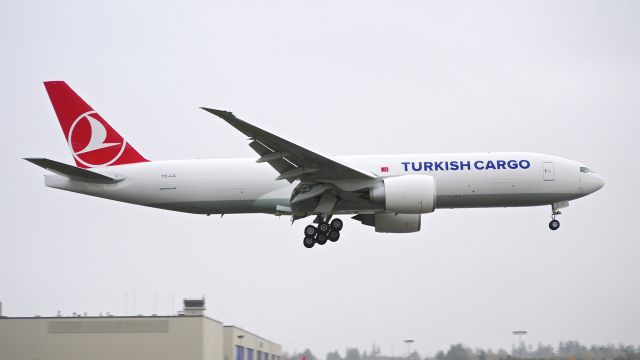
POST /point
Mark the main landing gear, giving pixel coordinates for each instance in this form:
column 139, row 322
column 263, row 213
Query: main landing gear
column 322, row 233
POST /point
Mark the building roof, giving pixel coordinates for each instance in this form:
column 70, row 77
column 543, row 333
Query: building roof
column 107, row 317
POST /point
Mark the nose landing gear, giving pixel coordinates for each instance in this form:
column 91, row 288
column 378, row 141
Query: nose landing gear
column 555, row 210
column 554, row 224
column 323, row 232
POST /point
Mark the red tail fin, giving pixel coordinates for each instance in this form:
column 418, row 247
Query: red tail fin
column 93, row 142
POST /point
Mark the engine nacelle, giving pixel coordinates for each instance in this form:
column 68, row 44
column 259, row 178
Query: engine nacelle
column 397, row 223
column 407, row 194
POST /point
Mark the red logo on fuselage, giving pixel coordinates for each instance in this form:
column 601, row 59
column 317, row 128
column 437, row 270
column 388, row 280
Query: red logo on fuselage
column 93, row 142
column 384, row 169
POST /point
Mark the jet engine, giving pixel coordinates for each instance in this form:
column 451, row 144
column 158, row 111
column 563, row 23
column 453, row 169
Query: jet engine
column 408, row 194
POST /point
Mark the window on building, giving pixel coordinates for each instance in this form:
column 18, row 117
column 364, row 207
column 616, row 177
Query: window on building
column 259, row 355
column 249, row 354
column 266, row 356
column 239, row 352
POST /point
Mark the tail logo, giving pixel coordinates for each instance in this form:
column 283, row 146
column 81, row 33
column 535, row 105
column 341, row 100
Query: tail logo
column 88, row 141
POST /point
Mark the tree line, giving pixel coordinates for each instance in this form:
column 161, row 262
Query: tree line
column 570, row 350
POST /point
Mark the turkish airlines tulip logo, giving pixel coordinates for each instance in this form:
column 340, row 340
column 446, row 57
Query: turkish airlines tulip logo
column 90, row 142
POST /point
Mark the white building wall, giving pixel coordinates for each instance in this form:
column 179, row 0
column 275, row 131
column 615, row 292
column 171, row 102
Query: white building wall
column 212, row 340
column 135, row 338
column 128, row 337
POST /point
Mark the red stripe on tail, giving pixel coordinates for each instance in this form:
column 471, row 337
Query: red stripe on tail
column 92, row 141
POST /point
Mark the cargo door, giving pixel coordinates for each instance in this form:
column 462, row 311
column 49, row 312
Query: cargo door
column 547, row 171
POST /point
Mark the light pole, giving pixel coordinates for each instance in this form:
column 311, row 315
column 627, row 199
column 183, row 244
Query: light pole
column 519, row 334
column 408, row 342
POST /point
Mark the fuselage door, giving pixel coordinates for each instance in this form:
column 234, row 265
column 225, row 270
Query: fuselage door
column 547, row 171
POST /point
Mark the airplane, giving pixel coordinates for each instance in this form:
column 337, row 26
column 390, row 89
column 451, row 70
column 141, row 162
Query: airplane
column 387, row 192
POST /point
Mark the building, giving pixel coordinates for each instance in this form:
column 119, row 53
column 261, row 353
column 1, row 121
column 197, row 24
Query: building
column 240, row 344
column 190, row 335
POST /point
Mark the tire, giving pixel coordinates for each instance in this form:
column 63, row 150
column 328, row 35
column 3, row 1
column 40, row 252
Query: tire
column 310, row 231
column 336, row 224
column 324, row 228
column 554, row 225
column 321, row 239
column 334, row 235
column 308, row 242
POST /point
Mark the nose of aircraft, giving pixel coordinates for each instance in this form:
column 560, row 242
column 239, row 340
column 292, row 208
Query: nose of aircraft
column 594, row 183
column 599, row 182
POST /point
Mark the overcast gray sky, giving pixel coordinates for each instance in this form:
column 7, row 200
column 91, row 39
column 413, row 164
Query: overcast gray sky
column 344, row 78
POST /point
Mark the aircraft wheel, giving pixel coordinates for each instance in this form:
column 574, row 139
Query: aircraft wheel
column 554, row 224
column 334, row 235
column 323, row 228
column 308, row 242
column 321, row 239
column 310, row 231
column 336, row 224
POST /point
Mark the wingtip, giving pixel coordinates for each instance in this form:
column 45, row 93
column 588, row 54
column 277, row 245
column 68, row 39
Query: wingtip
column 214, row 111
column 225, row 115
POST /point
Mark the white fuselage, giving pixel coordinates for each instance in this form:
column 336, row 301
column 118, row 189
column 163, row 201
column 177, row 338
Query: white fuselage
column 220, row 186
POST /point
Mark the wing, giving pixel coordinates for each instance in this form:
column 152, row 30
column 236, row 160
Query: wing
column 292, row 161
column 327, row 186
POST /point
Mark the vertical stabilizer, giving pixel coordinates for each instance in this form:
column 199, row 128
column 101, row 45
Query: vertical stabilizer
column 92, row 141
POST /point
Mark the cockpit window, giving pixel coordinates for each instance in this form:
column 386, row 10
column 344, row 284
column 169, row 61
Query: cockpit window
column 584, row 169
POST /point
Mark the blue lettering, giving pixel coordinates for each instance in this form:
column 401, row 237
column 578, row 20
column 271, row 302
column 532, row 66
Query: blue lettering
column 428, row 165
column 466, row 165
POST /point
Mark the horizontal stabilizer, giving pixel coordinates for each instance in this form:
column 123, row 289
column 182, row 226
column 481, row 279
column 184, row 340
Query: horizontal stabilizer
column 72, row 172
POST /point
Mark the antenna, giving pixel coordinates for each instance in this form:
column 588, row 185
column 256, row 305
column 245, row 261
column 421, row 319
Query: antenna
column 155, row 303
column 409, row 342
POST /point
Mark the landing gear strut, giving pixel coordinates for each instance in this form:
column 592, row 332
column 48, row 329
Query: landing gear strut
column 323, row 232
column 554, row 224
